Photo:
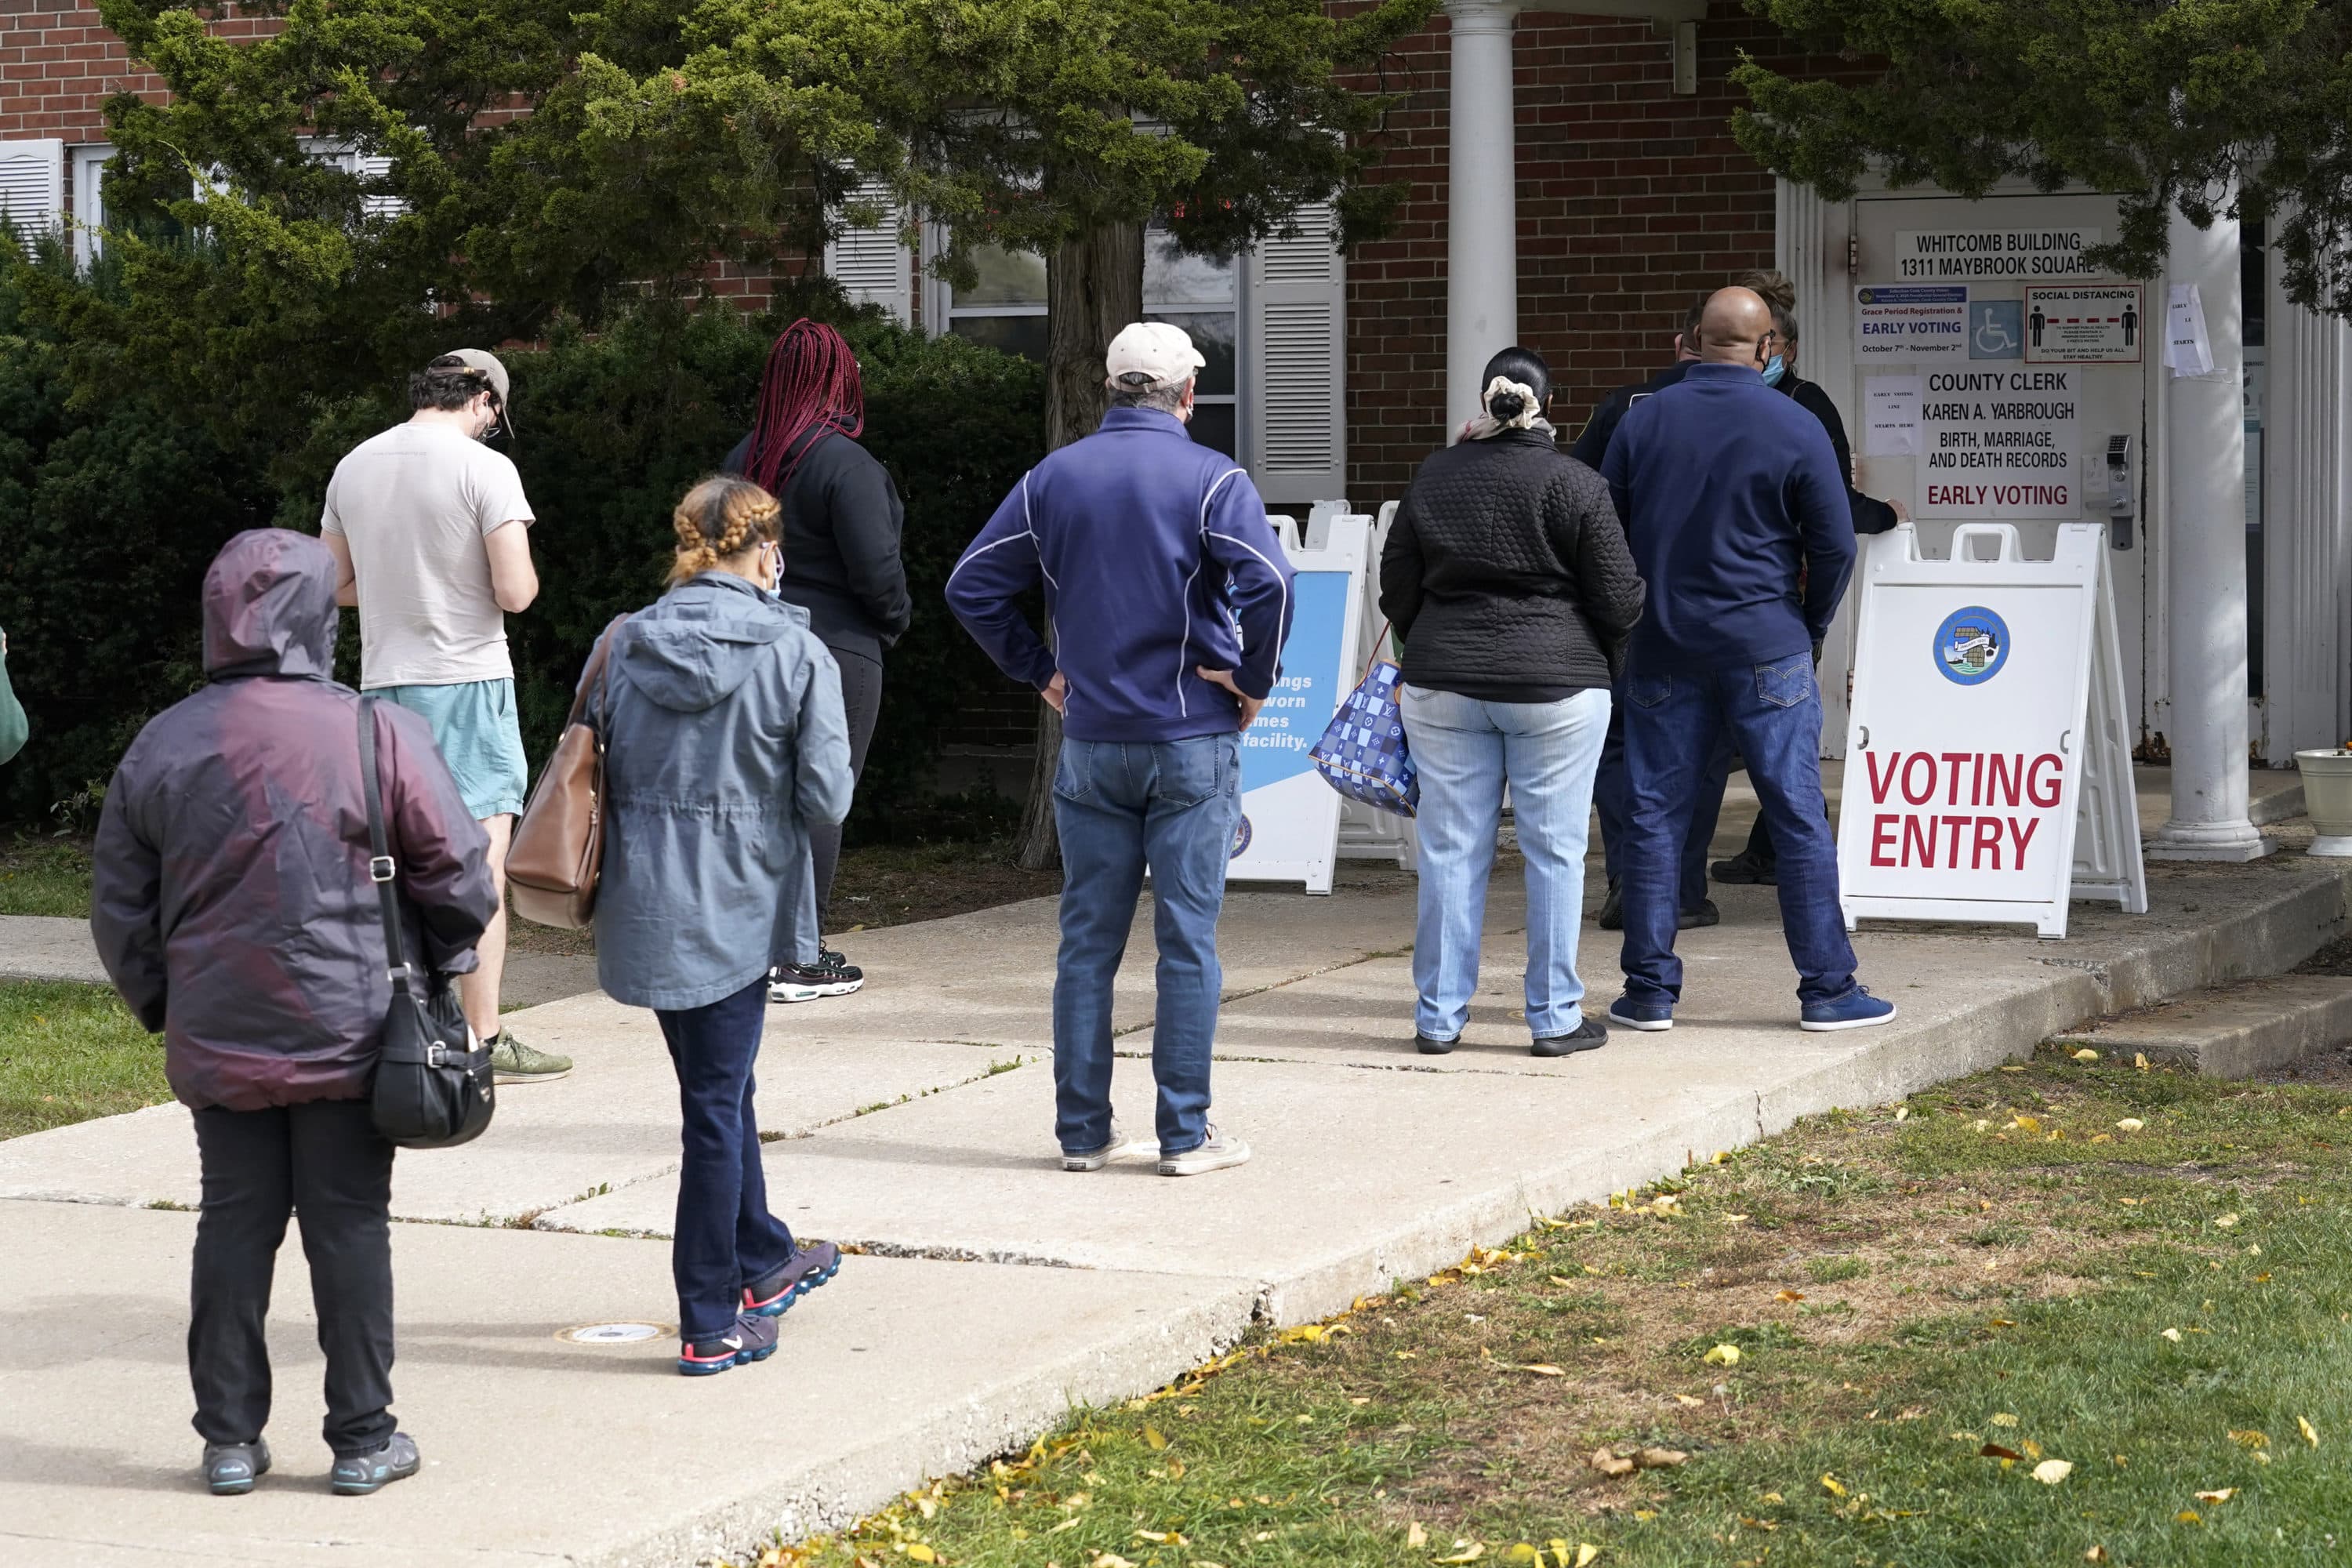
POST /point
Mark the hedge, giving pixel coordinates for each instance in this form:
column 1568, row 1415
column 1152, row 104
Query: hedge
column 116, row 505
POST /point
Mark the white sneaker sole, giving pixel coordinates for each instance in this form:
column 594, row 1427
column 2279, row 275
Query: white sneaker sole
column 794, row 991
column 1095, row 1160
column 1830, row 1028
column 1192, row 1162
column 1647, row 1025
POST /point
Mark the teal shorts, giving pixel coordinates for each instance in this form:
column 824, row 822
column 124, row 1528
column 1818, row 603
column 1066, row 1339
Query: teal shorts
column 474, row 723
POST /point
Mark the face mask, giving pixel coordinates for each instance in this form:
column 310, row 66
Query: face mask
column 1774, row 369
column 776, row 575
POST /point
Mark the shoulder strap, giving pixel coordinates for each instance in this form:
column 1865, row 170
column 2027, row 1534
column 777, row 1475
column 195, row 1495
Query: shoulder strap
column 381, row 865
column 591, row 677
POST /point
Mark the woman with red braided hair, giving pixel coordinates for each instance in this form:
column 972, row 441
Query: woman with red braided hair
column 841, row 525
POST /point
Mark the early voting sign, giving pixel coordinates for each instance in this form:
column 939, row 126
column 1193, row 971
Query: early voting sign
column 1290, row 818
column 1988, row 766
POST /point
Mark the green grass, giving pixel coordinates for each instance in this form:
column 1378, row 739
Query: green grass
column 44, row 876
column 71, row 1052
column 1996, row 1269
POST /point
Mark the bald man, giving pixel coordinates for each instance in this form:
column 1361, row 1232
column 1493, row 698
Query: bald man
column 1729, row 489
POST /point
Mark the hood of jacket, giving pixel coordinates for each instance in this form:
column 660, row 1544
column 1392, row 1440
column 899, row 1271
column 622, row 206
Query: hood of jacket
column 269, row 607
column 693, row 646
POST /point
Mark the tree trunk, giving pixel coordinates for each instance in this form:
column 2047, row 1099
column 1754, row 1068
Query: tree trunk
column 1094, row 286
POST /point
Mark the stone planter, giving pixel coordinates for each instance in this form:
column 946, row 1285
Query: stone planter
column 2327, row 798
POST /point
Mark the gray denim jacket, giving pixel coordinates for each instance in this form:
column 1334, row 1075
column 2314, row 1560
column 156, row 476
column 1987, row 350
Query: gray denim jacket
column 725, row 744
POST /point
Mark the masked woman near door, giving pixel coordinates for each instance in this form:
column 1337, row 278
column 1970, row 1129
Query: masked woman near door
column 1756, row 862
column 842, row 521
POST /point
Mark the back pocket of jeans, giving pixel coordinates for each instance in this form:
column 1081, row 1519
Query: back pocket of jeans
column 1073, row 774
column 1649, row 690
column 1787, row 683
column 1196, row 770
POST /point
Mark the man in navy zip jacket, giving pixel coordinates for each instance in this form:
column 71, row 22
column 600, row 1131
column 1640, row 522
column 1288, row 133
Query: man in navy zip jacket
column 1727, row 488
column 1170, row 599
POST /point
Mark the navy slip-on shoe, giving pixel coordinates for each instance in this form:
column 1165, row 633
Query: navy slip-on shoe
column 1857, row 1009
column 1644, row 1015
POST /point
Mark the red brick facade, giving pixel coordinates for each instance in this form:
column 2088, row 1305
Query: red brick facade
column 1632, row 200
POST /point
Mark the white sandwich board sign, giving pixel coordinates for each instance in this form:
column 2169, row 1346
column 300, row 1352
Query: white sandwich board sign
column 1987, row 771
column 1289, row 830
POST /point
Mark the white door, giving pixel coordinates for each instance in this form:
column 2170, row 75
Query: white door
column 1999, row 373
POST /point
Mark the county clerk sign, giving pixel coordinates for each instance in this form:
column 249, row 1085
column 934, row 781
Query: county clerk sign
column 1964, row 757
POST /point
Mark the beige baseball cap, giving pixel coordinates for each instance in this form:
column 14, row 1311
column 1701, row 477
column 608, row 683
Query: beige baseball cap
column 487, row 363
column 1155, row 349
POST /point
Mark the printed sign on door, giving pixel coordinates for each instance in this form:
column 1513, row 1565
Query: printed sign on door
column 2001, row 444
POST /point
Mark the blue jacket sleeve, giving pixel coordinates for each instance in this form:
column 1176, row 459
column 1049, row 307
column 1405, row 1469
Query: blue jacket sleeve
column 1817, row 500
column 1235, row 535
column 1000, row 566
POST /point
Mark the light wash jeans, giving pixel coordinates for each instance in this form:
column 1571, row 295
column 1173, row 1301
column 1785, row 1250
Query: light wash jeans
column 1465, row 751
column 1120, row 806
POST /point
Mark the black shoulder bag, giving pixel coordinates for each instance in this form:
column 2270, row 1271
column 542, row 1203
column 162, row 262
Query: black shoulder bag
column 433, row 1079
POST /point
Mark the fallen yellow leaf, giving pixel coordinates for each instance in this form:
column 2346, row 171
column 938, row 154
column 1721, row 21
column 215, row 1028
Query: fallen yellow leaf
column 2087, row 1055
column 1722, row 1355
column 1151, row 1434
column 2101, row 1138
column 1524, row 1552
column 2096, row 1554
column 2172, row 1334
column 1790, row 1296
column 2310, row 1433
column 2221, row 1495
column 2225, row 1221
column 1414, row 1536
column 1463, row 1552
column 2251, row 1437
column 1688, row 1401
column 1661, row 1459
column 1609, row 1464
column 1585, row 1553
column 922, row 1554
column 2026, row 1123
column 2050, row 1472
column 2187, row 1516
column 1545, row 1369
column 2003, row 1418
column 1902, row 1113
column 1830, row 1484
column 2130, row 1124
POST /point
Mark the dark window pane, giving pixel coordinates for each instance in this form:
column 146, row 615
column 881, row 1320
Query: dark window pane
column 1170, row 278
column 1022, row 335
column 1213, row 333
column 1006, row 277
column 1213, row 426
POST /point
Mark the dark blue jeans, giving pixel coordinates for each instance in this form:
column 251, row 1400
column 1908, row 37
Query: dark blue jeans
column 1674, row 727
column 1612, row 797
column 725, row 1236
column 1120, row 806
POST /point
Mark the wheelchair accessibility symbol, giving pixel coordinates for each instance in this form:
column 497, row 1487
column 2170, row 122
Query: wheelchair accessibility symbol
column 1996, row 328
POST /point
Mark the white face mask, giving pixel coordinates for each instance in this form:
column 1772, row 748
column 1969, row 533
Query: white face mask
column 776, row 569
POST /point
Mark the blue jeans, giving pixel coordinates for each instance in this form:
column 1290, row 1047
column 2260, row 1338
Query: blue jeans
column 1465, row 749
column 1612, row 799
column 1674, row 727
column 724, row 1237
column 1120, row 806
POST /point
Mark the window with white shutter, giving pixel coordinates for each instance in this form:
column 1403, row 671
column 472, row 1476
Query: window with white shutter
column 370, row 167
column 1296, row 447
column 871, row 263
column 32, row 185
column 89, row 201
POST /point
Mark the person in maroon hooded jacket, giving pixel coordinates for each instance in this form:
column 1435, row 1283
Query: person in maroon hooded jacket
column 232, row 906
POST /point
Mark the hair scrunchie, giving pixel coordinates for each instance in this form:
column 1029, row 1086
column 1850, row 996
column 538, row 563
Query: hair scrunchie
column 1529, row 408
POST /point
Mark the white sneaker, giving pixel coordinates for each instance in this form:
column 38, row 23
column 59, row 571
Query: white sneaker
column 1219, row 1150
column 785, row 985
column 1096, row 1159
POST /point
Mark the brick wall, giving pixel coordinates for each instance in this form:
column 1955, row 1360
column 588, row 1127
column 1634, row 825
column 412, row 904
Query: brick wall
column 1631, row 202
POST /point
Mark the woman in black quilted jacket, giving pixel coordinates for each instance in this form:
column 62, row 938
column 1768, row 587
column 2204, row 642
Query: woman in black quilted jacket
column 1507, row 577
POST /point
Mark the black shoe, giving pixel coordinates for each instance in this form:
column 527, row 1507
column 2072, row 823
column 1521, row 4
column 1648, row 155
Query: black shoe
column 364, row 1473
column 231, row 1469
column 1706, row 914
column 1612, row 907
column 1588, row 1035
column 1430, row 1047
column 839, row 964
column 1744, row 867
column 808, row 981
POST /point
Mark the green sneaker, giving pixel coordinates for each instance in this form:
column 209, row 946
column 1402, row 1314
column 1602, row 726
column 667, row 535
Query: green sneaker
column 518, row 1063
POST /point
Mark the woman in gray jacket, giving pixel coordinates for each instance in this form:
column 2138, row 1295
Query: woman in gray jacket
column 724, row 744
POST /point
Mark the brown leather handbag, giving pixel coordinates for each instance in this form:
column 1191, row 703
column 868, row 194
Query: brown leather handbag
column 559, row 845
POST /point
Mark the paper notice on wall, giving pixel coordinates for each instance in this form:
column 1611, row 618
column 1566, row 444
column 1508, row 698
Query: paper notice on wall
column 2187, row 350
column 1890, row 416
column 1900, row 321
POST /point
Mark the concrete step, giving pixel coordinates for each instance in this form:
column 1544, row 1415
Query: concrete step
column 2233, row 1031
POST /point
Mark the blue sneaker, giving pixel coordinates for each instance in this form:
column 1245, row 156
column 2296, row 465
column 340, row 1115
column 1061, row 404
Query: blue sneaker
column 752, row 1337
column 1857, row 1009
column 1647, row 1014
column 810, row 1267
column 231, row 1469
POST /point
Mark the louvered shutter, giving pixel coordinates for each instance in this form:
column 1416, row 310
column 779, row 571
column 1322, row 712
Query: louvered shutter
column 375, row 166
column 32, row 185
column 1297, row 350
column 872, row 265
column 89, row 201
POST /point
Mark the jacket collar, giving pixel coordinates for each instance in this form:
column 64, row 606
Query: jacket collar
column 1158, row 419
column 1718, row 370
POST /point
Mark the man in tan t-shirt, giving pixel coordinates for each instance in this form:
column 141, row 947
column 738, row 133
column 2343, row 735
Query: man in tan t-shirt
column 431, row 535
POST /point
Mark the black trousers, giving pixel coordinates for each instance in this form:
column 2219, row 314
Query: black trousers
column 325, row 1162
column 861, row 699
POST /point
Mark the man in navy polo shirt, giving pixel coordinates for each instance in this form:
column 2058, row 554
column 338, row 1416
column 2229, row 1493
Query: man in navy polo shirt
column 1169, row 598
column 1728, row 491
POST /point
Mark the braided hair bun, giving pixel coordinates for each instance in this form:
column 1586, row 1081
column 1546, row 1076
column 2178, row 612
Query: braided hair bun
column 720, row 518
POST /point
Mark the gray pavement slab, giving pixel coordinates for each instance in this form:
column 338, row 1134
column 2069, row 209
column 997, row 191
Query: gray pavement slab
column 45, row 947
column 2234, row 1031
column 540, row 1451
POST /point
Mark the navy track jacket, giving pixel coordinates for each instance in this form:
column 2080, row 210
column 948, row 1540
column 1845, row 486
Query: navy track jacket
column 1156, row 558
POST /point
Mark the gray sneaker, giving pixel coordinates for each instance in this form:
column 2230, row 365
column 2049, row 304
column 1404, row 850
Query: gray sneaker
column 1096, row 1159
column 364, row 1473
column 515, row 1062
column 230, row 1468
column 1219, row 1150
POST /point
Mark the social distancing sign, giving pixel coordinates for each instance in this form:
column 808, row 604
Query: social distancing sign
column 1987, row 771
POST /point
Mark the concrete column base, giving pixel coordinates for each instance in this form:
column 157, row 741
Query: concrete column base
column 2233, row 841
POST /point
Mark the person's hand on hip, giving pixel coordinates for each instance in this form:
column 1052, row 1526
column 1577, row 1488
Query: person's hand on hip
column 1224, row 677
column 1057, row 692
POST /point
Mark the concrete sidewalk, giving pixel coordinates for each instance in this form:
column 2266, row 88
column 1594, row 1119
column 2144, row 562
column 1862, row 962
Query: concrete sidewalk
column 914, row 1119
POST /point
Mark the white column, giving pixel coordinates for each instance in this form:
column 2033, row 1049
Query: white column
column 2307, row 476
column 2205, row 536
column 1482, row 243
